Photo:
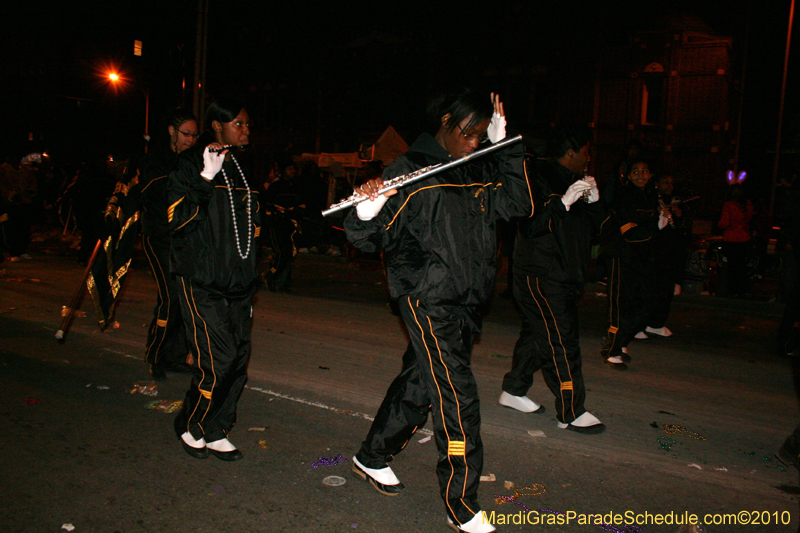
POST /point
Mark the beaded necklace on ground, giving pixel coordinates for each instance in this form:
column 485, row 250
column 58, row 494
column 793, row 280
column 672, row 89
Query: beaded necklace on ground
column 233, row 210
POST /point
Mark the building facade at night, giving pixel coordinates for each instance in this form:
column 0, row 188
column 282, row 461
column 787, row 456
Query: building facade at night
column 676, row 90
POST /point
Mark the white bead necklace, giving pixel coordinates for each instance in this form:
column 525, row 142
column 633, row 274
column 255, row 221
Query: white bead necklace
column 233, row 210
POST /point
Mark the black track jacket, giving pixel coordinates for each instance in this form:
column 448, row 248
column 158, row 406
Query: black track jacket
column 439, row 233
column 203, row 238
column 153, row 172
column 630, row 230
column 556, row 243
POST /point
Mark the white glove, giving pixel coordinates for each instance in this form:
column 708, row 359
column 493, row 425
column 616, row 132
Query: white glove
column 497, row 128
column 662, row 222
column 574, row 193
column 212, row 163
column 594, row 192
column 369, row 209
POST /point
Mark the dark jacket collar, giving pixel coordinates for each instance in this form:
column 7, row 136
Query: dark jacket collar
column 427, row 145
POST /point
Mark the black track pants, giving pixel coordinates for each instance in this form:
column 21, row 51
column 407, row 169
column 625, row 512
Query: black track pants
column 631, row 291
column 436, row 376
column 218, row 329
column 166, row 338
column 549, row 340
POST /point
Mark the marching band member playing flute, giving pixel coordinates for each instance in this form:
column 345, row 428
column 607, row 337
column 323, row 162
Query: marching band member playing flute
column 551, row 258
column 440, row 248
column 215, row 223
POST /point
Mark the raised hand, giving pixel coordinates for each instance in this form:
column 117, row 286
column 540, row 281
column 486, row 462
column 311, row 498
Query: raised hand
column 497, row 126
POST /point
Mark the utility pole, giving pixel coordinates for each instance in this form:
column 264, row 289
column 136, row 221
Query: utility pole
column 780, row 110
column 201, row 42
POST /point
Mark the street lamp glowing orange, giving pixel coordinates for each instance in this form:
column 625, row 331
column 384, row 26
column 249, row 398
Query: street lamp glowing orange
column 113, row 76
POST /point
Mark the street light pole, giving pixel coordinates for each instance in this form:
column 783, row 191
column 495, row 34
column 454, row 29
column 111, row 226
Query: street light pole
column 115, row 79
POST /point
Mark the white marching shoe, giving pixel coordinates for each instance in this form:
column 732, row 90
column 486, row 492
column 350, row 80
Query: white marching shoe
column 641, row 336
column 224, row 449
column 661, row 332
column 587, row 423
column 478, row 524
column 382, row 479
column 520, row 403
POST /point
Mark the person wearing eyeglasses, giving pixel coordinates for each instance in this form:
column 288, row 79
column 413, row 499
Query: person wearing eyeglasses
column 440, row 247
column 166, row 348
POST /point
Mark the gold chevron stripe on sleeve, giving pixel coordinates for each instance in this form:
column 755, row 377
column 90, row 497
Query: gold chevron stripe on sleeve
column 171, row 209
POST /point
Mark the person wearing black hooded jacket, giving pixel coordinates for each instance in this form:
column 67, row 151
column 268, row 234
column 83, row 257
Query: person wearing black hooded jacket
column 629, row 239
column 551, row 257
column 215, row 224
column 440, row 247
column 166, row 347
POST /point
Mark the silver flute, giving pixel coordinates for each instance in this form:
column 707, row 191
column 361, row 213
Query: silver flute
column 225, row 147
column 422, row 173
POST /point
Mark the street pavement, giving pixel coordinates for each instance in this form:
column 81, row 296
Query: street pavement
column 79, row 448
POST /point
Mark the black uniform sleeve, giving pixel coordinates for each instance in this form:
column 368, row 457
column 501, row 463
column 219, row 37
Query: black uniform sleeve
column 551, row 210
column 634, row 223
column 512, row 193
column 598, row 212
column 382, row 231
column 188, row 195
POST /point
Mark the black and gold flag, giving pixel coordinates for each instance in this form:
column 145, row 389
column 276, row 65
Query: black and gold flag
column 111, row 264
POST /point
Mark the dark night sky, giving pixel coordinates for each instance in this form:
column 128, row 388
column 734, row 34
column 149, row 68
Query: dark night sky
column 369, row 64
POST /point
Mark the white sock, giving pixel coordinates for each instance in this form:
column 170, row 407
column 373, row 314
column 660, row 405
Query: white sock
column 384, row 475
column 221, row 445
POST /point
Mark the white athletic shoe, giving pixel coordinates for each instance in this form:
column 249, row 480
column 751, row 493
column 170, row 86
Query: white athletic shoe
column 641, row 336
column 478, row 524
column 661, row 332
column 520, row 403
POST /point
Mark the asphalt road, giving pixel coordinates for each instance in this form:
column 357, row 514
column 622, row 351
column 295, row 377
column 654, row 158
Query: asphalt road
column 78, row 448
